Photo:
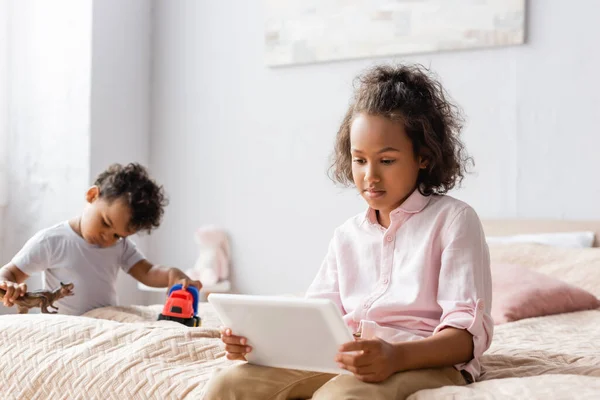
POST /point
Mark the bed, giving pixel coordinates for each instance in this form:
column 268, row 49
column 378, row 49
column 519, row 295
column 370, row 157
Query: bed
column 123, row 352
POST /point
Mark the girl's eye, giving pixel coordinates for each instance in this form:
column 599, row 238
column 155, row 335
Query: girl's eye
column 358, row 161
column 104, row 223
column 387, row 162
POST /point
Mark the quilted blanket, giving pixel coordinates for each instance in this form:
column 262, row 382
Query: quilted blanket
column 554, row 357
column 110, row 353
column 124, row 353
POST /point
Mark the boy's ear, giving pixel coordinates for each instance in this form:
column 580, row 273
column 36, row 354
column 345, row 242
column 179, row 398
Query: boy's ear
column 92, row 194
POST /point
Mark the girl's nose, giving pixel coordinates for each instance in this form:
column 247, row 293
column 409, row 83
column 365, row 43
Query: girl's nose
column 371, row 175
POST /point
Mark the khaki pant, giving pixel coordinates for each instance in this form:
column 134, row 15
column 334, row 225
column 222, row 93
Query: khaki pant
column 252, row 382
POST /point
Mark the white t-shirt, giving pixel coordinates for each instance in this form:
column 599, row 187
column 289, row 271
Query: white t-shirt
column 64, row 256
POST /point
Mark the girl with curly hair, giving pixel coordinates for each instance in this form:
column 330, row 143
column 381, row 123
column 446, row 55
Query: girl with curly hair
column 411, row 274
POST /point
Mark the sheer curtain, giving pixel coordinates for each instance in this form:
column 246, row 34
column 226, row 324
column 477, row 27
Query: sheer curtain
column 4, row 93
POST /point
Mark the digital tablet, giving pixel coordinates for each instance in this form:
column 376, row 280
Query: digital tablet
column 285, row 332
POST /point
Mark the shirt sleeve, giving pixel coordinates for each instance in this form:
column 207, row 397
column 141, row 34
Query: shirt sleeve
column 326, row 283
column 131, row 255
column 34, row 256
column 465, row 284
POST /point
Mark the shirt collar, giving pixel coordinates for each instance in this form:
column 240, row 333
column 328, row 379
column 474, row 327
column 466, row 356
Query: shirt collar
column 415, row 203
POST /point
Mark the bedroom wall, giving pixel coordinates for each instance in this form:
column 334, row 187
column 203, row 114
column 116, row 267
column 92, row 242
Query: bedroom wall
column 120, row 98
column 245, row 146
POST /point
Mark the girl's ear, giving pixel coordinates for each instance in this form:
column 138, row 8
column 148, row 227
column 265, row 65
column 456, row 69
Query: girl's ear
column 423, row 161
column 424, row 158
column 92, row 194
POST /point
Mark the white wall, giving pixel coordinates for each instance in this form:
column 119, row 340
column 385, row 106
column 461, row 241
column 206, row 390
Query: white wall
column 120, row 98
column 48, row 120
column 245, row 146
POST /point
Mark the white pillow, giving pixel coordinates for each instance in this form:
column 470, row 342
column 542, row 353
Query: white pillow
column 557, row 239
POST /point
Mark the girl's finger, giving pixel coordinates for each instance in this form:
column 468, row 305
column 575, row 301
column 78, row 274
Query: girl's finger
column 232, row 348
column 369, row 378
column 234, row 340
column 366, row 370
column 234, row 357
column 355, row 360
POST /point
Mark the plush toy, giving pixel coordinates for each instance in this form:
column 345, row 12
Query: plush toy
column 212, row 265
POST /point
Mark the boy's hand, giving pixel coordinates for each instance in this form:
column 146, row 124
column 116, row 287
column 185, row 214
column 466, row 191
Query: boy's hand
column 236, row 346
column 13, row 292
column 374, row 360
column 178, row 276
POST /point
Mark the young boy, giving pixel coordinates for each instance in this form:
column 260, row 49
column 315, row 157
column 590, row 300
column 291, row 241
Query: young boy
column 89, row 250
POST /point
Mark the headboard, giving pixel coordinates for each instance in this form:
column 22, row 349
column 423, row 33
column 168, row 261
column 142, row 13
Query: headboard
column 505, row 227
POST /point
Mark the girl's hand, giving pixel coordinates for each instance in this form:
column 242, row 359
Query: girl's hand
column 373, row 361
column 178, row 276
column 13, row 291
column 236, row 346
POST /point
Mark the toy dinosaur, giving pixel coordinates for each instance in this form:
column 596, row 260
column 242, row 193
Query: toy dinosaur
column 41, row 298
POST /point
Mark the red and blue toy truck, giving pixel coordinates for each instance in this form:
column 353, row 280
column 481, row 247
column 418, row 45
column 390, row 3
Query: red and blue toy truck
column 182, row 306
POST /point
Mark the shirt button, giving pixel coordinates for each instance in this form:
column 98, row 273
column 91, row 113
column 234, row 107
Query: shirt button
column 389, row 238
column 366, row 306
column 480, row 306
column 386, row 281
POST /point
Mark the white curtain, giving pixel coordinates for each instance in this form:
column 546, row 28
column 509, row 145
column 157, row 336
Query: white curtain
column 4, row 93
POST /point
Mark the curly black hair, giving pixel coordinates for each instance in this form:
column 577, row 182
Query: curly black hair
column 410, row 94
column 131, row 183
